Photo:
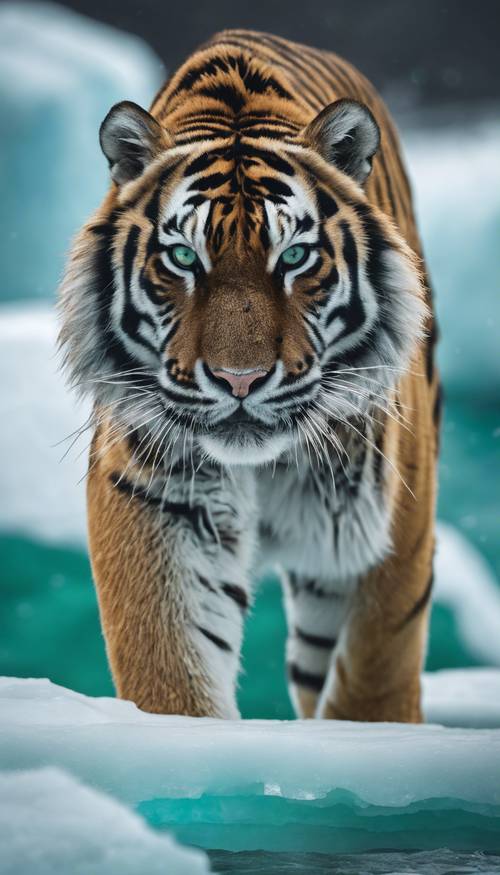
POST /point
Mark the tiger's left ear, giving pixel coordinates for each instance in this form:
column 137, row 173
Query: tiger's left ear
column 131, row 138
column 346, row 134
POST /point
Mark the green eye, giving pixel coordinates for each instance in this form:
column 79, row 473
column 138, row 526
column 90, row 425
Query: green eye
column 294, row 255
column 183, row 256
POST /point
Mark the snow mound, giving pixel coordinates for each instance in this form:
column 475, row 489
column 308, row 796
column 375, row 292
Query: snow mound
column 51, row 824
column 43, row 494
column 468, row 697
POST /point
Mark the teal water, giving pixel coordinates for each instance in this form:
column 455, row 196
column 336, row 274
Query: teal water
column 439, row 862
column 338, row 823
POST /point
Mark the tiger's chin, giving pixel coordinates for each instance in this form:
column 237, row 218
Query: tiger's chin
column 245, row 447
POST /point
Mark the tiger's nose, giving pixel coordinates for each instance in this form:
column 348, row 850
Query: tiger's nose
column 240, row 381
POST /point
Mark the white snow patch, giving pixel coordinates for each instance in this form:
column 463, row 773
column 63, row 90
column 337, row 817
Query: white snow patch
column 112, row 745
column 41, row 495
column 468, row 697
column 467, row 586
column 51, row 824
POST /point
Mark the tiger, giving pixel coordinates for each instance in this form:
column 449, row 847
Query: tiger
column 250, row 313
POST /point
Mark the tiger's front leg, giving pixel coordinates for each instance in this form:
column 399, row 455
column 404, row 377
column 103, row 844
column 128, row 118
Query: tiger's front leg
column 376, row 667
column 169, row 561
column 315, row 612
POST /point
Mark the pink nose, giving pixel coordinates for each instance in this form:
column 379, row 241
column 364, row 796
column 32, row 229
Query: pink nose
column 240, row 383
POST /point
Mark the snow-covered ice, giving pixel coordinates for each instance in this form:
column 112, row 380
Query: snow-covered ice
column 463, row 697
column 51, row 824
column 383, row 764
column 296, row 786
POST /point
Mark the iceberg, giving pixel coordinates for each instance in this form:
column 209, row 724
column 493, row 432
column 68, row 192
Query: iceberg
column 59, row 74
column 448, row 166
column 323, row 786
column 51, row 824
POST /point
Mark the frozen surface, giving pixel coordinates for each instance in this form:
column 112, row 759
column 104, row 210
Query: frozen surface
column 302, row 786
column 384, row 764
column 51, row 824
column 59, row 75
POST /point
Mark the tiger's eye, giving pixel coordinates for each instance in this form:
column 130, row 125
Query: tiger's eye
column 183, row 256
column 294, row 255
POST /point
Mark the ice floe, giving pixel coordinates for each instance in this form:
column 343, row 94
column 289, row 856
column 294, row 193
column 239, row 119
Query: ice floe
column 316, row 786
column 384, row 764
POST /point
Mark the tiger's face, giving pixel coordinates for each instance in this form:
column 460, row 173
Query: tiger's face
column 240, row 292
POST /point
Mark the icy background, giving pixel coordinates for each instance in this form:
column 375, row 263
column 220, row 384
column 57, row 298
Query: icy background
column 308, row 797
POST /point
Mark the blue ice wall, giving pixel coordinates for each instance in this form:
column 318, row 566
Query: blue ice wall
column 455, row 173
column 59, row 75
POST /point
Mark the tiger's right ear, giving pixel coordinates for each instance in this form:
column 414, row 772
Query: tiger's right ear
column 346, row 134
column 131, row 138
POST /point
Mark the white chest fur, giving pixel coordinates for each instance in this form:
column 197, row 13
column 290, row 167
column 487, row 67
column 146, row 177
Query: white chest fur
column 328, row 528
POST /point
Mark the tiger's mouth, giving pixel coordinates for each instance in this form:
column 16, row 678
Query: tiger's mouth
column 241, row 419
column 242, row 439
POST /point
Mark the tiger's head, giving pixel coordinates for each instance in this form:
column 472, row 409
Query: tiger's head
column 240, row 290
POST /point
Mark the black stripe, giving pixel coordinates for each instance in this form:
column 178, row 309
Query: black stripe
column 226, row 94
column 195, row 515
column 438, row 406
column 432, row 339
column 219, row 642
column 237, row 594
column 275, row 186
column 352, row 313
column 104, row 287
column 419, row 605
column 209, row 67
column 305, row 678
column 131, row 317
column 315, row 640
column 326, row 203
column 269, row 158
column 291, row 394
column 186, row 400
column 128, row 488
column 213, row 180
column 206, row 583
